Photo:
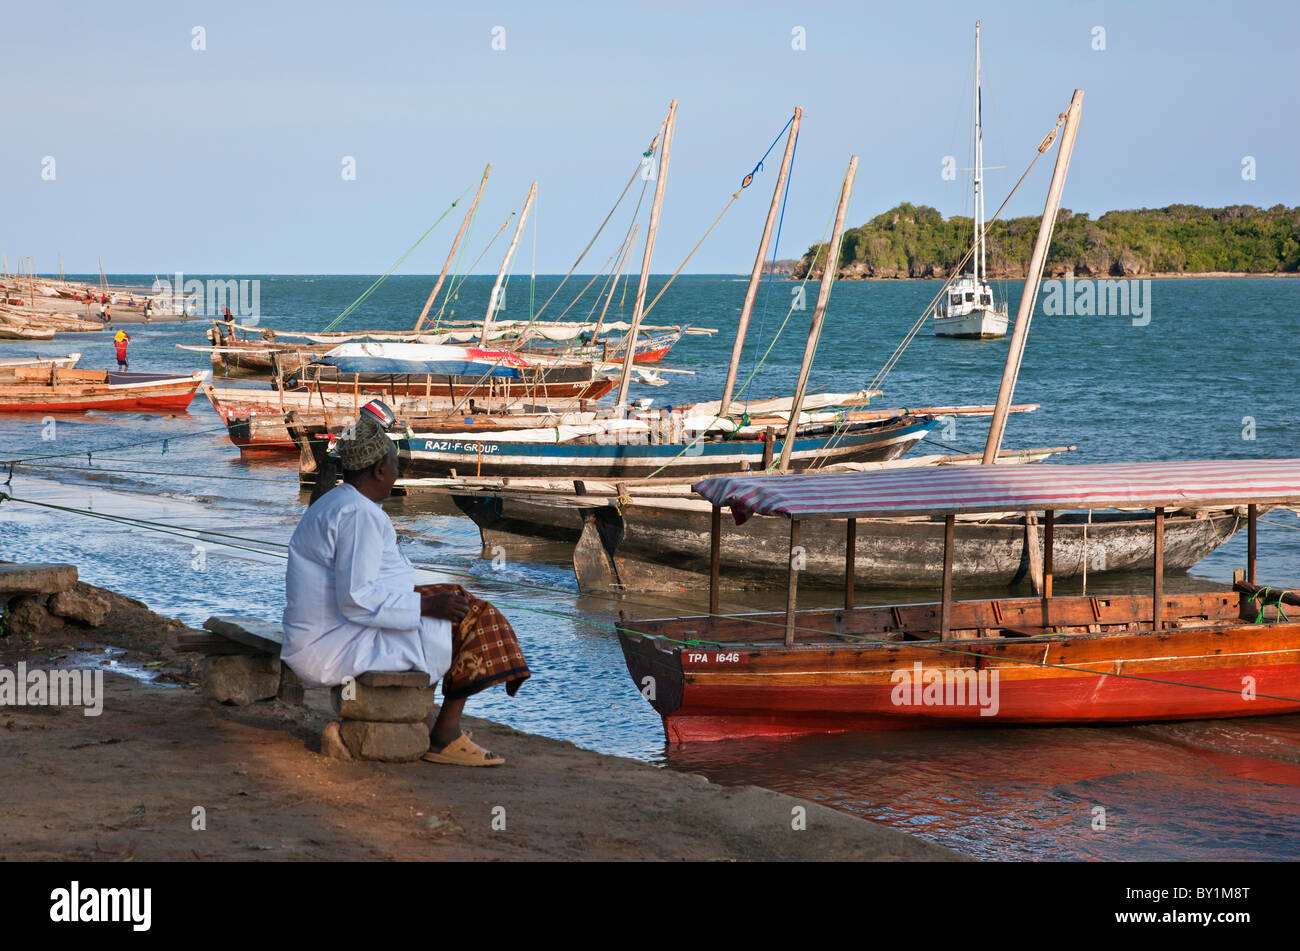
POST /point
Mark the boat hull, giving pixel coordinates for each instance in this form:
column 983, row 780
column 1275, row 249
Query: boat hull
column 977, row 325
column 1213, row 668
column 81, row 393
column 430, row 458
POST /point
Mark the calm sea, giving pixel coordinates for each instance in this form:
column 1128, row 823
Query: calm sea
column 1213, row 373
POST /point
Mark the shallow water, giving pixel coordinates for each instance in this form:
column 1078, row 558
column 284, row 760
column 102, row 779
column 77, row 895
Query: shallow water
column 1189, row 384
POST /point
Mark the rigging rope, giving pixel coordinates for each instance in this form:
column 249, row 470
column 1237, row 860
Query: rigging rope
column 392, row 267
column 889, row 364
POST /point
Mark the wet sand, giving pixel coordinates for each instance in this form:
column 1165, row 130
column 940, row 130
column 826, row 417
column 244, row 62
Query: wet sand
column 125, row 785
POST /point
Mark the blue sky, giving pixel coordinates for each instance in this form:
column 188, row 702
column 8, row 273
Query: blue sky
column 229, row 159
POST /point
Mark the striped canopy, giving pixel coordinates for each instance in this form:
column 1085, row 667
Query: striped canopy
column 943, row 490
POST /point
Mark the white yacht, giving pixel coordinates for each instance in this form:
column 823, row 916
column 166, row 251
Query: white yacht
column 967, row 308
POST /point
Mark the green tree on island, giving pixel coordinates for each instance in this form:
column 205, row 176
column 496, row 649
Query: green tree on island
column 915, row 241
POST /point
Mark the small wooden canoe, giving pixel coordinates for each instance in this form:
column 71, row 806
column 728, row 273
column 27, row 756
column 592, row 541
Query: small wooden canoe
column 55, row 390
column 38, row 361
column 17, row 332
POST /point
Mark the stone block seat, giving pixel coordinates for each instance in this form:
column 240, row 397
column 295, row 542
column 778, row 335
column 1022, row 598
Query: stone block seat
column 382, row 712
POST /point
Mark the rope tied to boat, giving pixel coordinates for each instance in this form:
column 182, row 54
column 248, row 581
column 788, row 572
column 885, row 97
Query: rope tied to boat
column 1262, row 596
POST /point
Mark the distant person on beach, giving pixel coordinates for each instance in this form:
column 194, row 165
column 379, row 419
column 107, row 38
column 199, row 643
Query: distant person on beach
column 148, row 309
column 351, row 604
column 119, row 344
column 103, row 313
column 229, row 317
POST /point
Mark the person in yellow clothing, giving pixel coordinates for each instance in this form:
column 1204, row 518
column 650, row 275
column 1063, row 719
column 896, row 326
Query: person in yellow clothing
column 119, row 343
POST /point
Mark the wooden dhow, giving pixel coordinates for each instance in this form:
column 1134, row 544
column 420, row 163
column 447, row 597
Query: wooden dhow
column 1048, row 659
column 56, row 390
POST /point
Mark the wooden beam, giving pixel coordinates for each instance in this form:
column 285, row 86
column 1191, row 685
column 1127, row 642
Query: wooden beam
column 505, row 265
column 627, row 249
column 819, row 312
column 792, row 584
column 1158, row 586
column 715, row 556
column 850, row 561
column 756, row 276
column 945, row 599
column 1251, row 528
column 1029, row 296
column 1049, row 530
column 451, row 255
column 1034, row 553
column 651, row 232
column 1049, row 526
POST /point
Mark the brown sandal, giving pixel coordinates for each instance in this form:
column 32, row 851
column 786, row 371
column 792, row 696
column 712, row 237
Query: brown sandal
column 463, row 751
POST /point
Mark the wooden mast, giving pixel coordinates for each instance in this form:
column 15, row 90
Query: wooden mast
column 652, row 230
column 978, row 177
column 627, row 249
column 454, row 245
column 505, row 263
column 819, row 312
column 756, row 275
column 1029, row 296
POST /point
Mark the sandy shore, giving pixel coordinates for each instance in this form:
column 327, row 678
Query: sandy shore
column 125, row 785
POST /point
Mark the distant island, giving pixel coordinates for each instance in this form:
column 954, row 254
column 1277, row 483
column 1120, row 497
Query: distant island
column 915, row 241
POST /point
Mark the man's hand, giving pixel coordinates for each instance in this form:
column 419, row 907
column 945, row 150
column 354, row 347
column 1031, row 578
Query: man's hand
column 446, row 606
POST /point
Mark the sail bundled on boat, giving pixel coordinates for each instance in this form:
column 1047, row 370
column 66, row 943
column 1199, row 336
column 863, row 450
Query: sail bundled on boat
column 419, row 358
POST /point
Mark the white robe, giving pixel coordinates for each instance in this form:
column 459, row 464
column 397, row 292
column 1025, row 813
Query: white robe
column 350, row 603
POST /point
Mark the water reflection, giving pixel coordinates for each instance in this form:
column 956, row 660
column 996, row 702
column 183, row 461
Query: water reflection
column 1221, row 790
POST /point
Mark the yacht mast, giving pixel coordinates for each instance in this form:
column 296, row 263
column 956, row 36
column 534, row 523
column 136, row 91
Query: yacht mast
column 979, row 171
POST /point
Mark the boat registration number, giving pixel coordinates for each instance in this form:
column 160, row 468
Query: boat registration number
column 437, row 445
column 713, row 657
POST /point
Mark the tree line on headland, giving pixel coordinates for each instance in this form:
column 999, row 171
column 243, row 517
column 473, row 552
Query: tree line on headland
column 915, row 241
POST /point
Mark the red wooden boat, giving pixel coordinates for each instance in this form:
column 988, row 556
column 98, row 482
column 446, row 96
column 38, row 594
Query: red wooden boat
column 1046, row 659
column 57, row 390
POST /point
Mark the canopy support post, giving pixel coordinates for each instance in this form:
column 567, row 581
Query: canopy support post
column 850, row 562
column 715, row 556
column 1049, row 531
column 1158, row 585
column 792, row 584
column 945, row 601
column 1251, row 529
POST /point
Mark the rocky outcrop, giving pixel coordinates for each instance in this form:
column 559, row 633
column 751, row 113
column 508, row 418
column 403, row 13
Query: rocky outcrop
column 29, row 617
column 83, row 606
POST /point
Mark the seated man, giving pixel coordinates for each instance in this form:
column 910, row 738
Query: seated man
column 351, row 604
